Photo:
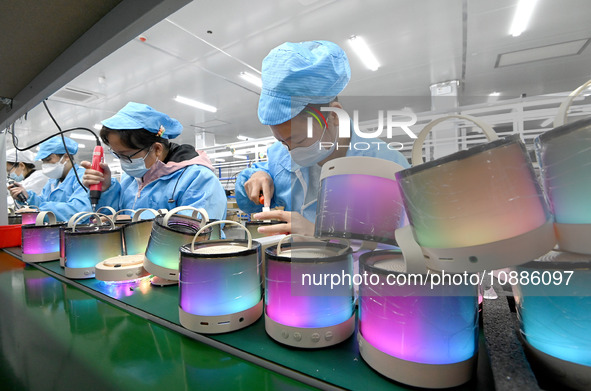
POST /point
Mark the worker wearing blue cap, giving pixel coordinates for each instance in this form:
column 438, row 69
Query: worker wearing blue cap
column 298, row 79
column 63, row 195
column 158, row 174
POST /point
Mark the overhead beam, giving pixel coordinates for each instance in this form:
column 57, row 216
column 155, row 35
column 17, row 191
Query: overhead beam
column 126, row 21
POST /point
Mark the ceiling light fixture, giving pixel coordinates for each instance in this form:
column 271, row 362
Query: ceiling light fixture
column 523, row 13
column 241, row 137
column 196, row 104
column 562, row 49
column 252, row 79
column 98, row 126
column 365, row 54
column 241, row 157
column 494, row 93
column 219, row 160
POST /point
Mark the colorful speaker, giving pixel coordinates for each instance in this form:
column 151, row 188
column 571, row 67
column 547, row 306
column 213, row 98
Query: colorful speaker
column 300, row 311
column 478, row 209
column 414, row 332
column 553, row 304
column 90, row 244
column 136, row 234
column 220, row 283
column 359, row 199
column 169, row 233
column 41, row 241
column 564, row 154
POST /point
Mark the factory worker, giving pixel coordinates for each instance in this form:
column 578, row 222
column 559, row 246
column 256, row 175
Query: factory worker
column 20, row 167
column 299, row 79
column 158, row 174
column 63, row 195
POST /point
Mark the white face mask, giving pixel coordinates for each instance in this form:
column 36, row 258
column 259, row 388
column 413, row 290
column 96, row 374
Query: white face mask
column 53, row 170
column 312, row 154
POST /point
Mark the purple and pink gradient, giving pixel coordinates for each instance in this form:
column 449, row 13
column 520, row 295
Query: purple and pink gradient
column 29, row 217
column 359, row 206
column 40, row 239
column 428, row 329
column 219, row 286
column 291, row 303
column 483, row 198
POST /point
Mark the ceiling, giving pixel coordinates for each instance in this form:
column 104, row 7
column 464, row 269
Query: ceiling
column 199, row 51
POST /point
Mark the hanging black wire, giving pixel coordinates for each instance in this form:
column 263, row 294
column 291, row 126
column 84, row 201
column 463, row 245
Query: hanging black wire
column 61, row 133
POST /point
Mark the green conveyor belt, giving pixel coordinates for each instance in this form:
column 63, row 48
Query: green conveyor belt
column 339, row 365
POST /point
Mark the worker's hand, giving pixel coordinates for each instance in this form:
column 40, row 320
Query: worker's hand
column 295, row 223
column 16, row 189
column 93, row 177
column 259, row 182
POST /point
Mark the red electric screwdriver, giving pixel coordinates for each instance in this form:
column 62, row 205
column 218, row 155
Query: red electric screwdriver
column 96, row 190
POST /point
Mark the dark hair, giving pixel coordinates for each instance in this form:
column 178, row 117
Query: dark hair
column 134, row 138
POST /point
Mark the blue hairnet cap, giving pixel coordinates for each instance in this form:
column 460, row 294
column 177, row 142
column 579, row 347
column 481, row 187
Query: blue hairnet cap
column 296, row 74
column 141, row 116
column 56, row 145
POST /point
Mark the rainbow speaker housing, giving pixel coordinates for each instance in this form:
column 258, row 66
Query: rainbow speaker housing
column 220, row 285
column 90, row 244
column 302, row 314
column 169, row 233
column 26, row 215
column 359, row 199
column 411, row 332
column 63, row 228
column 477, row 209
column 41, row 241
column 136, row 234
column 554, row 311
column 564, row 154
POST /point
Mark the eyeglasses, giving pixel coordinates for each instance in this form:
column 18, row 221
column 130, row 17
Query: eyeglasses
column 125, row 158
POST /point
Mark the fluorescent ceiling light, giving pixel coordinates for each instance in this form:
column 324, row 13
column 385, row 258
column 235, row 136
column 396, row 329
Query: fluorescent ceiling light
column 243, row 138
column 525, row 9
column 219, row 160
column 195, row 103
column 98, row 126
column 240, row 157
column 542, row 53
column 495, row 93
column 367, row 57
column 81, row 145
column 80, row 136
column 252, row 79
